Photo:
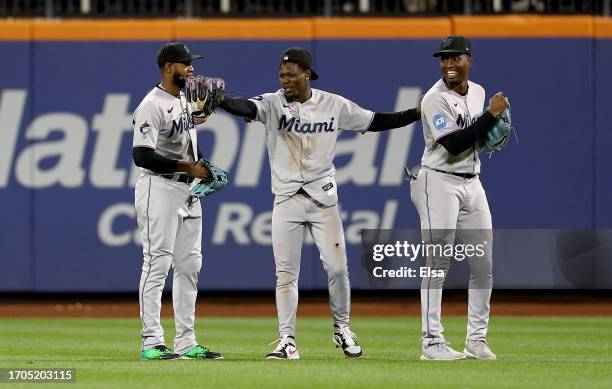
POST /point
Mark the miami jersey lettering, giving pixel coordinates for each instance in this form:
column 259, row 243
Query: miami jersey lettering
column 301, row 139
column 295, row 125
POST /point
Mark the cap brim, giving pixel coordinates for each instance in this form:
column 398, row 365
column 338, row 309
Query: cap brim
column 313, row 74
column 192, row 57
column 439, row 53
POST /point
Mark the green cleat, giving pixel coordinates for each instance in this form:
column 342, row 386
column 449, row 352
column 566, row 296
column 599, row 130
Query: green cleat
column 201, row 352
column 158, row 352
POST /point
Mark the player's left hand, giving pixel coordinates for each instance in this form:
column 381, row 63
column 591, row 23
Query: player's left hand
column 203, row 94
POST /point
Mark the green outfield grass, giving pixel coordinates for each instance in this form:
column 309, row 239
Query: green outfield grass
column 532, row 353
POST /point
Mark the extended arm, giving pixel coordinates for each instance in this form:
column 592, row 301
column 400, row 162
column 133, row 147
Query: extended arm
column 383, row 121
column 239, row 106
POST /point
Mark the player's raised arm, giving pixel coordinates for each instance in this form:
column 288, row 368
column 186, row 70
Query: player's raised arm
column 458, row 142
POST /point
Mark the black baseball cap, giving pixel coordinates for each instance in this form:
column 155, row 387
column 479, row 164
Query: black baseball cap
column 175, row 52
column 300, row 56
column 454, row 44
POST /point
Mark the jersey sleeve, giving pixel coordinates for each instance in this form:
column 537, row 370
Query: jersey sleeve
column 147, row 124
column 483, row 93
column 437, row 114
column 264, row 106
column 353, row 117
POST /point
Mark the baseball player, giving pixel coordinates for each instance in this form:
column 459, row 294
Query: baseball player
column 302, row 125
column 170, row 222
column 449, row 197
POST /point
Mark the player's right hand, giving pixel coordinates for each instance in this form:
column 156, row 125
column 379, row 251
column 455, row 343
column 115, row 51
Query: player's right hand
column 497, row 104
column 200, row 171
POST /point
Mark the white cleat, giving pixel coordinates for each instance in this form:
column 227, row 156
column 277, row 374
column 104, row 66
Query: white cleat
column 479, row 349
column 440, row 352
column 345, row 338
column 285, row 349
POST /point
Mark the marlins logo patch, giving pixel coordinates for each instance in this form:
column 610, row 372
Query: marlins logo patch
column 439, row 121
column 146, row 127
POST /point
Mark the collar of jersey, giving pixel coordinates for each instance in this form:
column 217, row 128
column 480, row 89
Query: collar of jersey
column 452, row 91
column 313, row 97
column 158, row 86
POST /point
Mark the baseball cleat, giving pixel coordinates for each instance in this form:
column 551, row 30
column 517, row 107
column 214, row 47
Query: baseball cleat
column 440, row 352
column 201, row 352
column 285, row 349
column 345, row 338
column 157, row 352
column 478, row 349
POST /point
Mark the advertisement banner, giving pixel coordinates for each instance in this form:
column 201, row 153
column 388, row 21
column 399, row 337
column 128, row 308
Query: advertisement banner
column 67, row 176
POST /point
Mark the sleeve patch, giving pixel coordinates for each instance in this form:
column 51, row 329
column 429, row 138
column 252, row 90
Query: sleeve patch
column 439, row 121
column 146, row 127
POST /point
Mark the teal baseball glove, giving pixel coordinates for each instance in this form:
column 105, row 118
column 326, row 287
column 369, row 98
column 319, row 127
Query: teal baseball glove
column 217, row 181
column 498, row 136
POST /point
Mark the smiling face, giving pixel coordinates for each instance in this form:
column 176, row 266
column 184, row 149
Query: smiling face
column 294, row 80
column 455, row 68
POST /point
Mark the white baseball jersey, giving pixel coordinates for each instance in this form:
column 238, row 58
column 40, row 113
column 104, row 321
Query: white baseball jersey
column 301, row 140
column 445, row 111
column 162, row 122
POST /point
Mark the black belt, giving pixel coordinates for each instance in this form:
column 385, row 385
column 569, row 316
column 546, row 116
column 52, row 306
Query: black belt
column 462, row 175
column 179, row 177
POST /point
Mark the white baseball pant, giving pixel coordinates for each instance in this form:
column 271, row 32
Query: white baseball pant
column 290, row 219
column 446, row 204
column 170, row 224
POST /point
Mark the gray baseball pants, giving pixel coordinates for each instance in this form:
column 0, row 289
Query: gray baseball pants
column 170, row 226
column 290, row 220
column 449, row 205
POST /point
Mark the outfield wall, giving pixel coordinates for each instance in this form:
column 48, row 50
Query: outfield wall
column 68, row 89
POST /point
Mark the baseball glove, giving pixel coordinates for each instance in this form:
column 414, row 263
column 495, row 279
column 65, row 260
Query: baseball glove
column 203, row 95
column 498, row 136
column 217, row 181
